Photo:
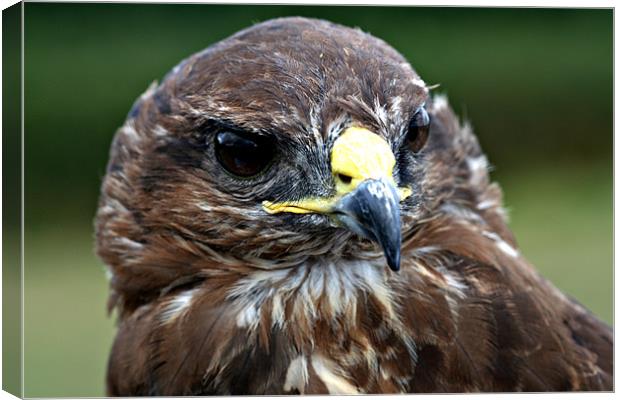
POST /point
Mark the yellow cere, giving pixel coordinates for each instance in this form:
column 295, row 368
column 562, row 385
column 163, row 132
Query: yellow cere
column 358, row 154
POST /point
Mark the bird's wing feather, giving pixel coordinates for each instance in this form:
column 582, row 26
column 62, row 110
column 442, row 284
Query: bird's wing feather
column 513, row 329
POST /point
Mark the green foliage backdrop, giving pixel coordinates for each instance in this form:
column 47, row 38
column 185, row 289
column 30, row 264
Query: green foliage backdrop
column 535, row 83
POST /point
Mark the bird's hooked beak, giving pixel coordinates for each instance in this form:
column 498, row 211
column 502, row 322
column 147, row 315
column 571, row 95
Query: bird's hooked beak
column 367, row 199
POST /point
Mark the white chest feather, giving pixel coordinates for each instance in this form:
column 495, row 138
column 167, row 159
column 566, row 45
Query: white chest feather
column 326, row 290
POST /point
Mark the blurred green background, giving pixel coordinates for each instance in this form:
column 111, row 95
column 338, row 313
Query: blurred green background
column 536, row 85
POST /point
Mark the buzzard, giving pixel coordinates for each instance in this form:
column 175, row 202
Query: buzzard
column 291, row 211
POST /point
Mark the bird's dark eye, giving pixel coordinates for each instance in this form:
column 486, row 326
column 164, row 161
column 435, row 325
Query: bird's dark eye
column 418, row 130
column 243, row 155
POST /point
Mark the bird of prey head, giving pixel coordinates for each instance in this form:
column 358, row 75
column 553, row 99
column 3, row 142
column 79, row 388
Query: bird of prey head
column 291, row 211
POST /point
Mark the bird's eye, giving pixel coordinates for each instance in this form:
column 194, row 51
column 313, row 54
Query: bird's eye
column 243, row 155
column 418, row 130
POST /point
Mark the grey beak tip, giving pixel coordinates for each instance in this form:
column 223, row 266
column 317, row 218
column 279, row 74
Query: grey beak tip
column 373, row 211
column 394, row 262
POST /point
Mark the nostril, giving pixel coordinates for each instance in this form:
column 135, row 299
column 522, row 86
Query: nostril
column 346, row 179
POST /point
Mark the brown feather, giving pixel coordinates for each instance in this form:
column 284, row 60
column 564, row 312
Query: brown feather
column 215, row 296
